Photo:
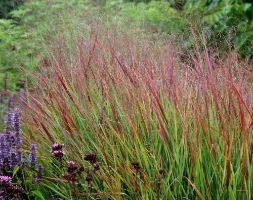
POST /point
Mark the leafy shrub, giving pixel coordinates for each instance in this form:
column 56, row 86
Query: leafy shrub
column 229, row 21
column 16, row 51
column 7, row 5
column 226, row 24
column 22, row 37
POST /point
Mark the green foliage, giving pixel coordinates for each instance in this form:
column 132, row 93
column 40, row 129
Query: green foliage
column 158, row 15
column 7, row 5
column 227, row 24
column 16, row 52
column 230, row 21
column 23, row 38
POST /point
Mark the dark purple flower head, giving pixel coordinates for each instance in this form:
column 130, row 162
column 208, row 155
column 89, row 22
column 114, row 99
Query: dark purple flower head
column 56, row 150
column 58, row 153
column 71, row 166
column 136, row 165
column 5, row 180
column 57, row 147
column 33, row 155
column 89, row 178
column 91, row 157
column 70, row 177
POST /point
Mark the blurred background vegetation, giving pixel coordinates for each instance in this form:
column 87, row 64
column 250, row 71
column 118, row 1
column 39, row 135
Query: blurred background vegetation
column 25, row 26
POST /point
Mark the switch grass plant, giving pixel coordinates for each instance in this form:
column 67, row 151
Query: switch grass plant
column 162, row 127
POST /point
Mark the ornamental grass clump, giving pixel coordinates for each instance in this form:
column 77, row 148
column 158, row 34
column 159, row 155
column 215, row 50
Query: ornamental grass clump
column 130, row 97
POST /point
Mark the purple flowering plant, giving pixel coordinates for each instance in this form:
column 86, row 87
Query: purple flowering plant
column 16, row 175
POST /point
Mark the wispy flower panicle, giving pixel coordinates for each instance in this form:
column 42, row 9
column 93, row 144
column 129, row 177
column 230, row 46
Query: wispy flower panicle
column 33, row 155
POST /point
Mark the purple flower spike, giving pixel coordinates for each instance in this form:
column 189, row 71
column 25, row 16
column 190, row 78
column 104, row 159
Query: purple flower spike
column 4, row 146
column 17, row 127
column 39, row 174
column 13, row 158
column 32, row 155
column 8, row 123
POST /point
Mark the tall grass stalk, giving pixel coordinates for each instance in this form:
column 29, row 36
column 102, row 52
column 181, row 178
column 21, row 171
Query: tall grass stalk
column 188, row 124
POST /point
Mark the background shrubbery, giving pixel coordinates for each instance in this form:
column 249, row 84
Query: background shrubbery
column 7, row 5
column 226, row 25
